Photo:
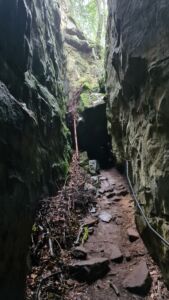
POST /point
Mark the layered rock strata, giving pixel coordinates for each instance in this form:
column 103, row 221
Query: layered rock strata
column 33, row 137
column 137, row 71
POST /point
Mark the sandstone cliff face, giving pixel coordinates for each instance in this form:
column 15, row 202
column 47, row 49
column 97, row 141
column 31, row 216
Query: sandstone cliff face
column 33, row 144
column 137, row 67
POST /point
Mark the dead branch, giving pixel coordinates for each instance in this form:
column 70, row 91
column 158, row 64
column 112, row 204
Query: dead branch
column 42, row 281
column 51, row 248
column 75, row 135
column 79, row 235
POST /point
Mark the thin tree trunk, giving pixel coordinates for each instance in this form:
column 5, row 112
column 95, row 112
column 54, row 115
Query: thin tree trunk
column 100, row 22
column 75, row 135
column 105, row 14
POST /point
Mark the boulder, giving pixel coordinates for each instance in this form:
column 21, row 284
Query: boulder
column 90, row 221
column 105, row 216
column 89, row 270
column 139, row 280
column 79, row 44
column 73, row 30
column 93, row 167
column 79, row 252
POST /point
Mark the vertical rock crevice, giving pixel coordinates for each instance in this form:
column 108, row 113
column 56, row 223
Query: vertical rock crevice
column 137, row 68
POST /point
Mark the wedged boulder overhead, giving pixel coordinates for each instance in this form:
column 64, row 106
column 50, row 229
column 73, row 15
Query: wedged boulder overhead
column 33, row 136
column 137, row 69
column 84, row 67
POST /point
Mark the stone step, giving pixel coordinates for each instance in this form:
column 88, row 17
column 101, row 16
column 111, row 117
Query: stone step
column 79, row 252
column 139, row 280
column 116, row 255
column 89, row 270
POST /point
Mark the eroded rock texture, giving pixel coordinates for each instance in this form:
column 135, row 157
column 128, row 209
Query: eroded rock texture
column 33, row 147
column 137, row 66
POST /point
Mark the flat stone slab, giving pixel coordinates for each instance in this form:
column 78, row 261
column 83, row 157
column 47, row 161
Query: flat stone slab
column 120, row 186
column 102, row 178
column 132, row 234
column 116, row 255
column 89, row 270
column 105, row 216
column 116, row 199
column 79, row 252
column 122, row 192
column 110, row 194
column 109, row 189
column 90, row 221
column 139, row 280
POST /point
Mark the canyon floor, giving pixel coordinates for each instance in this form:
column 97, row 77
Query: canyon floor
column 85, row 245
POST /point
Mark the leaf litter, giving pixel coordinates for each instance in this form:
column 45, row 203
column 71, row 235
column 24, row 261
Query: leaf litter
column 57, row 227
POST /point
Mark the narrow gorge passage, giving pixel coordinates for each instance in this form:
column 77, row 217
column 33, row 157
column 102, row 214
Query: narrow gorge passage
column 84, row 88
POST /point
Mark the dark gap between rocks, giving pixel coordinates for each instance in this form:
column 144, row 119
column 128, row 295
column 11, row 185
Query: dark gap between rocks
column 93, row 135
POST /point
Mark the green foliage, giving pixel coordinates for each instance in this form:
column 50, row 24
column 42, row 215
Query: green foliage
column 84, row 101
column 102, row 84
column 60, row 169
column 85, row 234
column 84, row 160
column 34, row 228
column 85, row 98
column 85, row 13
column 88, row 83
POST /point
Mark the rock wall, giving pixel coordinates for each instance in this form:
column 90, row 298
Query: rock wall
column 137, row 71
column 33, row 137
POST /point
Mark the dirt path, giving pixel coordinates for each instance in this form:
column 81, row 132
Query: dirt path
column 112, row 240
